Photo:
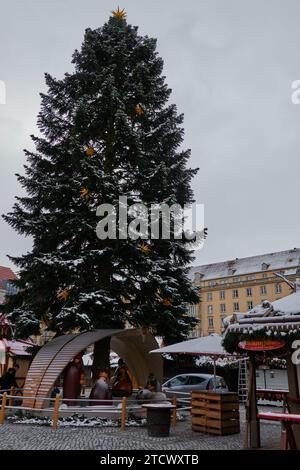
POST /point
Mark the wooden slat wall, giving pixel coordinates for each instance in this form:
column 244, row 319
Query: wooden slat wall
column 54, row 356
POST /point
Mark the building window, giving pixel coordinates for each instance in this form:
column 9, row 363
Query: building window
column 210, row 323
column 250, row 305
column 209, row 309
column 192, row 311
column 193, row 334
column 222, row 308
column 236, row 306
column 222, row 294
column 278, row 288
column 209, row 296
column 263, row 290
column 264, row 275
column 235, row 293
column 249, row 291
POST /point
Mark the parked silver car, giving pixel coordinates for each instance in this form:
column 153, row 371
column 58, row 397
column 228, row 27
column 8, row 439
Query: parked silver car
column 192, row 382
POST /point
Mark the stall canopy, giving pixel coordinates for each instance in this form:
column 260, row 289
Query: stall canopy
column 204, row 345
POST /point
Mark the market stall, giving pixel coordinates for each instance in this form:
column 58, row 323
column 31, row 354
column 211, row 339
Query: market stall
column 15, row 352
column 272, row 329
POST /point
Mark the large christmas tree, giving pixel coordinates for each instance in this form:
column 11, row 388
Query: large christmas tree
column 107, row 131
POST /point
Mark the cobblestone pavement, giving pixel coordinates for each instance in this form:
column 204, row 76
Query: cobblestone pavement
column 36, row 437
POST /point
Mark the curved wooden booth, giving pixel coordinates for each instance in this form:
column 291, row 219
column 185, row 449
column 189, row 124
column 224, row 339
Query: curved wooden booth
column 54, row 356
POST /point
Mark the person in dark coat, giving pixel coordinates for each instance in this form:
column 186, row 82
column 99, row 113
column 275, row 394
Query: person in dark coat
column 9, row 379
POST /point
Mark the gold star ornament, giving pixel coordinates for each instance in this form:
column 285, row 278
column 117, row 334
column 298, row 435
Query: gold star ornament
column 144, row 248
column 63, row 295
column 90, row 151
column 167, row 302
column 119, row 13
column 85, row 193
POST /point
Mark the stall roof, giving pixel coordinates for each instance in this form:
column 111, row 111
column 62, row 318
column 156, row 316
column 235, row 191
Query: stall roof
column 210, row 345
column 16, row 347
column 281, row 314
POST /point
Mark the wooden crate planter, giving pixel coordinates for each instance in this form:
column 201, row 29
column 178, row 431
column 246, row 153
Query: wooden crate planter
column 215, row 413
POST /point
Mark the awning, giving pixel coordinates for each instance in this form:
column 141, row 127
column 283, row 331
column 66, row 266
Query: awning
column 210, row 345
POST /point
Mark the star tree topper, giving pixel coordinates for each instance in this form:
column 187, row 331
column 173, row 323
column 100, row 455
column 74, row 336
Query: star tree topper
column 119, row 13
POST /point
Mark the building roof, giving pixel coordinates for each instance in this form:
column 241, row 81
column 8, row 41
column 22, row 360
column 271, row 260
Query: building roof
column 6, row 274
column 287, row 260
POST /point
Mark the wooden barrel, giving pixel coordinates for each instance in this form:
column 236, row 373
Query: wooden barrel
column 158, row 419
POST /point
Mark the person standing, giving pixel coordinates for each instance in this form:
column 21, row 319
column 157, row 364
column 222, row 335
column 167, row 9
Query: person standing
column 9, row 379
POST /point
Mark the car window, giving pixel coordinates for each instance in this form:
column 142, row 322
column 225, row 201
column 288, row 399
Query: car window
column 177, row 381
column 220, row 383
column 195, row 380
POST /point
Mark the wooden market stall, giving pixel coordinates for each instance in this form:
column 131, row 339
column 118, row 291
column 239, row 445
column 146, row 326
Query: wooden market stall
column 13, row 351
column 272, row 329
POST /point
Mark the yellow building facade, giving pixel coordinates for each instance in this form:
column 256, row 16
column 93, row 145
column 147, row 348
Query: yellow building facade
column 240, row 284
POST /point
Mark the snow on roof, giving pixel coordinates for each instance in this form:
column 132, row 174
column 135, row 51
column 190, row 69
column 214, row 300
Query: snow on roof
column 239, row 266
column 286, row 309
column 210, row 345
column 289, row 305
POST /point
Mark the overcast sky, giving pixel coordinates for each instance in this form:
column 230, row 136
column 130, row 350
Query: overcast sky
column 230, row 65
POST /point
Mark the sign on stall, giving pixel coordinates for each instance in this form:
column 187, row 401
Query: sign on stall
column 261, row 345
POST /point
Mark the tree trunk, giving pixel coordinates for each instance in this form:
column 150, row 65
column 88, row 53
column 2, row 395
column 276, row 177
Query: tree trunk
column 101, row 357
